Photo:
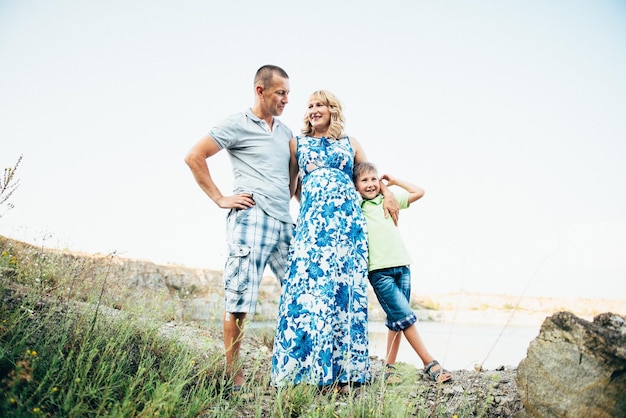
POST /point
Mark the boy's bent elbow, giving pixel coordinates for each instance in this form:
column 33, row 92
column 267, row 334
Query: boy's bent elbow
column 416, row 195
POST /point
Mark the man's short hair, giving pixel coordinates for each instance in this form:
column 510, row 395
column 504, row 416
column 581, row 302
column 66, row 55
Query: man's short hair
column 264, row 75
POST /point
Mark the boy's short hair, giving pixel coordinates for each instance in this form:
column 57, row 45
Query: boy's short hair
column 363, row 167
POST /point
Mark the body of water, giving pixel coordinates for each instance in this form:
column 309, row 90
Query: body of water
column 458, row 346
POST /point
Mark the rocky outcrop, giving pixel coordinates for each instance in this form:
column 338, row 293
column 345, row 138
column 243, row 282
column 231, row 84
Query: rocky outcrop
column 182, row 293
column 194, row 294
column 575, row 368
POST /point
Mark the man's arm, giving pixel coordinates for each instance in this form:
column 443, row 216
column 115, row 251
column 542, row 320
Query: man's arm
column 196, row 159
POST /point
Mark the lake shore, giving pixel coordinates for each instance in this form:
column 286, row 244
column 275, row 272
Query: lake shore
column 468, row 307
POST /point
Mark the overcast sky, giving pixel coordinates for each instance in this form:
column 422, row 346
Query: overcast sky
column 510, row 114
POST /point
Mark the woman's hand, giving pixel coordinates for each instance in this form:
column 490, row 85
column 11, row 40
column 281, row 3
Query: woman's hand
column 390, row 203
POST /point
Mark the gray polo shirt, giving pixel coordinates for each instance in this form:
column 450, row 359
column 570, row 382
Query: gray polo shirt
column 260, row 160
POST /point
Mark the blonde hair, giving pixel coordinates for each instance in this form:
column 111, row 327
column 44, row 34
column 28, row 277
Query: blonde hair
column 336, row 114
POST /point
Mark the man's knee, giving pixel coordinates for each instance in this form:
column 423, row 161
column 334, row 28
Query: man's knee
column 235, row 318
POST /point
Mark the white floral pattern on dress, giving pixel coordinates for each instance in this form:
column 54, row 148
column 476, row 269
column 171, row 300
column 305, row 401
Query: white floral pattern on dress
column 321, row 334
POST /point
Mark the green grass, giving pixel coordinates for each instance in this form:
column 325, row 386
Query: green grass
column 59, row 357
column 75, row 343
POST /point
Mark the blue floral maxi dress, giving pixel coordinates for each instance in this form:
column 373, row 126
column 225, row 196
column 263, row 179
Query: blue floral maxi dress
column 321, row 334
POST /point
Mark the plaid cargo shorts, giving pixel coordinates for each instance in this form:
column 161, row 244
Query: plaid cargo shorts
column 255, row 240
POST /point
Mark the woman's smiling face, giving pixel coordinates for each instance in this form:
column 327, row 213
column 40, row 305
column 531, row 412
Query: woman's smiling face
column 319, row 116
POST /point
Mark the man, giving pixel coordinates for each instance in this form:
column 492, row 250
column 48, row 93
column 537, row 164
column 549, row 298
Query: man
column 258, row 224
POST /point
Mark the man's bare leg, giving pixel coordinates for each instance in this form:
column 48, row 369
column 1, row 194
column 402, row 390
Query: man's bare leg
column 233, row 334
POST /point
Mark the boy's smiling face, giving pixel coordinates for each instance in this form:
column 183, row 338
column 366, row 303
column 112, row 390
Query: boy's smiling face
column 367, row 184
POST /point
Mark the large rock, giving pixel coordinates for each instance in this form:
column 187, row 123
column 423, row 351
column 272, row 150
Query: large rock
column 575, row 368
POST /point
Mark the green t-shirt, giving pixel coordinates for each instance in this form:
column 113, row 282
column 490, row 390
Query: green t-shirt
column 386, row 248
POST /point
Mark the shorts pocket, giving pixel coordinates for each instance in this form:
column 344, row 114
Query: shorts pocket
column 237, row 274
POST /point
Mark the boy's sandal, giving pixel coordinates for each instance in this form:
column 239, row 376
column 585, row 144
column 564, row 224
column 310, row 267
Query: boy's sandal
column 391, row 375
column 434, row 374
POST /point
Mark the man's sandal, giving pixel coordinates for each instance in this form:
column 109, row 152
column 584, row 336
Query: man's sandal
column 242, row 393
column 434, row 374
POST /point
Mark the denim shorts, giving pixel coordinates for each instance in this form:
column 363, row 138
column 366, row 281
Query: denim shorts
column 255, row 240
column 393, row 289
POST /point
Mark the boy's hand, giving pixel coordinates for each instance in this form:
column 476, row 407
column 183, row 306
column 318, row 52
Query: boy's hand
column 389, row 181
column 415, row 192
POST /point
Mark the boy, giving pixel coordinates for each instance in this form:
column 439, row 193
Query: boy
column 389, row 271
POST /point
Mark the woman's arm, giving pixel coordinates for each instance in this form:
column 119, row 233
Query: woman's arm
column 294, row 181
column 390, row 203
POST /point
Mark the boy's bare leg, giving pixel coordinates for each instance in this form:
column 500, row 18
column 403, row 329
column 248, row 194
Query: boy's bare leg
column 393, row 345
column 233, row 334
column 416, row 342
column 413, row 337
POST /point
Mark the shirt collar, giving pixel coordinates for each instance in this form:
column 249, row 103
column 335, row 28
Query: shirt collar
column 251, row 115
column 376, row 201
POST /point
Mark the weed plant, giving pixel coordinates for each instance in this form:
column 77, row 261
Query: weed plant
column 62, row 358
column 69, row 348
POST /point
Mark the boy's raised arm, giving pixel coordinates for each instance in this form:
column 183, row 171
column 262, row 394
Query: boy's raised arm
column 415, row 192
